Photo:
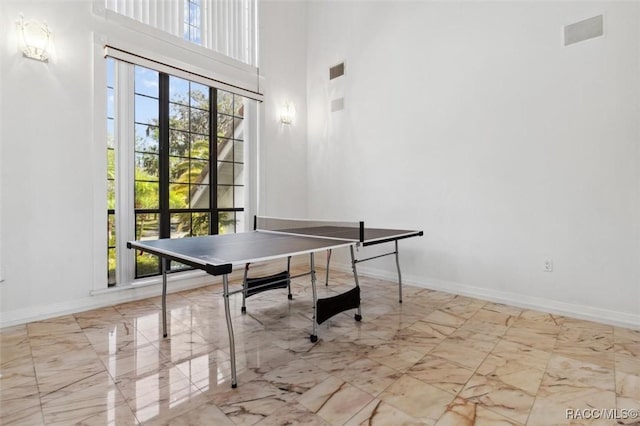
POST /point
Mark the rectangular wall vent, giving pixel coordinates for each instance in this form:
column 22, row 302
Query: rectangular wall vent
column 584, row 30
column 337, row 104
column 336, row 71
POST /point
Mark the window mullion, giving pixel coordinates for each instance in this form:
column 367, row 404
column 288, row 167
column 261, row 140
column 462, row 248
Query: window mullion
column 165, row 217
column 213, row 158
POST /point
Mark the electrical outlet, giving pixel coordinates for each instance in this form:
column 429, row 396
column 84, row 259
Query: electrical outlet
column 548, row 265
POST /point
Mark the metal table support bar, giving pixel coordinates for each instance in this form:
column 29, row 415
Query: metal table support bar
column 164, row 296
column 355, row 278
column 354, row 261
column 399, row 274
column 263, row 286
column 326, row 280
column 271, row 282
column 232, row 344
column 314, row 333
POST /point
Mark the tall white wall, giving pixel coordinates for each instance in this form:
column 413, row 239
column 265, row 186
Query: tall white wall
column 2, row 14
column 46, row 164
column 472, row 122
column 283, row 148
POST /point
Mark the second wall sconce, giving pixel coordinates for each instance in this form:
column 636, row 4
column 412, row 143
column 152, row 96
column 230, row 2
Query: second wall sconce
column 287, row 113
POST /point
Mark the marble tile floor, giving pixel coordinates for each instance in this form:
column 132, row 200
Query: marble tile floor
column 436, row 359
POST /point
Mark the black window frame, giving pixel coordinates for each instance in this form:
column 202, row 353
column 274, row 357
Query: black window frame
column 164, row 211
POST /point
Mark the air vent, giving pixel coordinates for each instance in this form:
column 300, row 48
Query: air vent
column 584, row 30
column 336, row 71
column 337, row 104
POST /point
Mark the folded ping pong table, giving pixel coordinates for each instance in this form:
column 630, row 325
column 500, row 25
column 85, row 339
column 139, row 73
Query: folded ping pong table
column 274, row 238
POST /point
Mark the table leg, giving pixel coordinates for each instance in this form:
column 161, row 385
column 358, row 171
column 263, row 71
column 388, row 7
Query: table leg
column 326, row 280
column 232, row 345
column 164, row 296
column 314, row 334
column 244, row 289
column 358, row 315
column 399, row 274
column 289, row 296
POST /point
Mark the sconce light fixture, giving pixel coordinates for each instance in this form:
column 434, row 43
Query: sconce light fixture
column 35, row 39
column 287, row 113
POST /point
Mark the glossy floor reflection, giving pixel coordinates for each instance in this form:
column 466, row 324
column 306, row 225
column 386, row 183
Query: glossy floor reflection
column 436, row 359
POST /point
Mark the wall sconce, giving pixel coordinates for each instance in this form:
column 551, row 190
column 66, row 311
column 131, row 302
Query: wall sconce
column 35, row 39
column 287, row 113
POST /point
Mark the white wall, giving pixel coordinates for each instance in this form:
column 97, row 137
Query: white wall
column 2, row 14
column 472, row 122
column 47, row 141
column 283, row 148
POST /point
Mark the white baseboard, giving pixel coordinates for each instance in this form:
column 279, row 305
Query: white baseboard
column 590, row 313
column 116, row 295
column 109, row 298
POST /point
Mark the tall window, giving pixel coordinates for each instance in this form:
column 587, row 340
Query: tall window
column 182, row 164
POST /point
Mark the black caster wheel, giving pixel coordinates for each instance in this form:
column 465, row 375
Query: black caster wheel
column 244, row 309
column 358, row 317
column 290, row 297
column 313, row 338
